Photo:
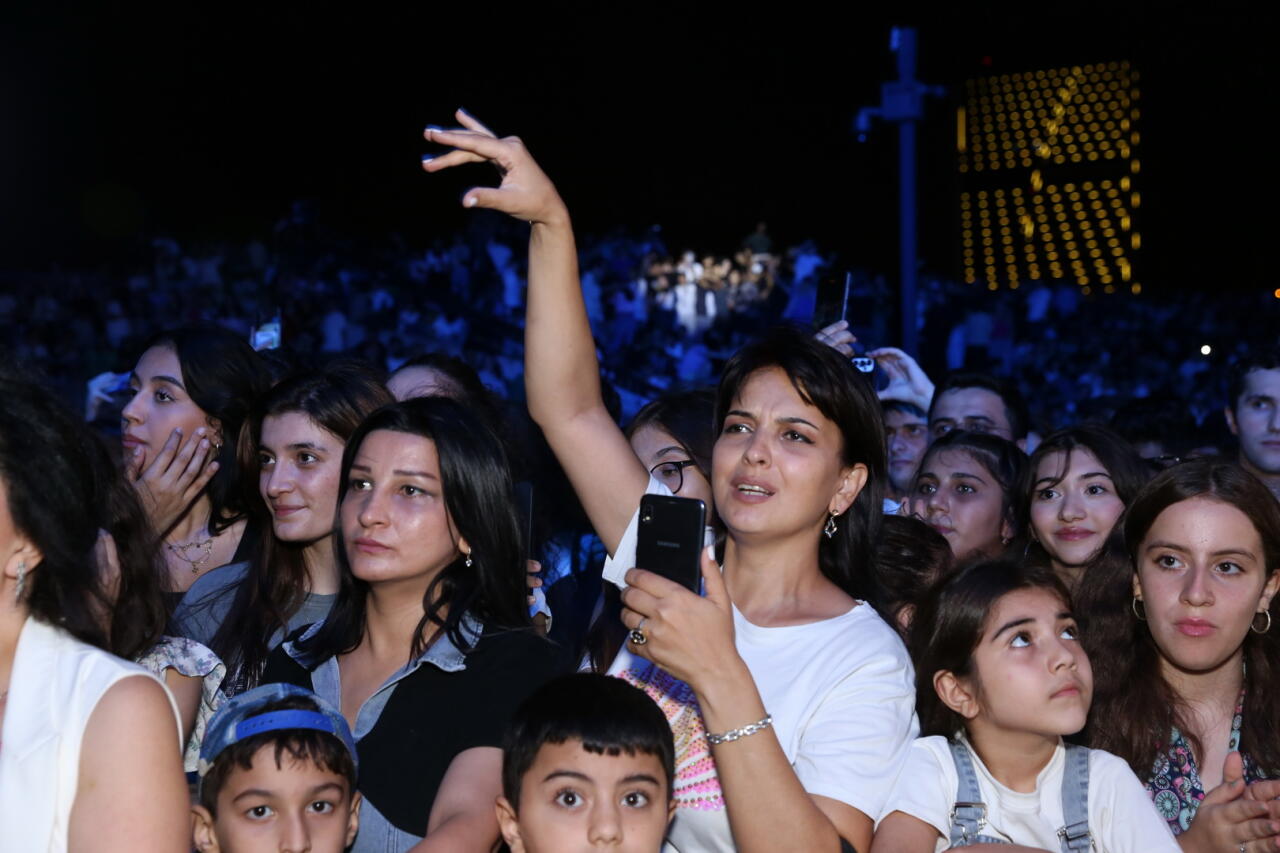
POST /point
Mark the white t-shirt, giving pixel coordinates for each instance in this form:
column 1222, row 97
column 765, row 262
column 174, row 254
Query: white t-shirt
column 842, row 695
column 1121, row 816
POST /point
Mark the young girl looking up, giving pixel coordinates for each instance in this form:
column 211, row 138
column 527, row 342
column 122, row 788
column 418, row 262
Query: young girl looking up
column 1078, row 483
column 965, row 489
column 1000, row 678
column 1186, row 620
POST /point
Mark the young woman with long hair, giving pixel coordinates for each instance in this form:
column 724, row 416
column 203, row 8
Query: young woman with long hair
column 790, row 698
column 192, row 388
column 1077, row 484
column 428, row 649
column 1184, row 618
column 966, row 488
column 291, row 448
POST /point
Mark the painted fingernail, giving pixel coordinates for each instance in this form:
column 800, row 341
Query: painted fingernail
column 200, row 431
column 427, row 158
column 469, row 201
column 204, row 444
column 464, row 110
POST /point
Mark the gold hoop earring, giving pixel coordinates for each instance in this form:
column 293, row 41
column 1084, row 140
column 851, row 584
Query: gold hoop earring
column 830, row 528
column 1254, row 628
column 1133, row 605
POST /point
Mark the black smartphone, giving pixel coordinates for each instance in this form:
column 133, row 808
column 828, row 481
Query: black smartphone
column 671, row 536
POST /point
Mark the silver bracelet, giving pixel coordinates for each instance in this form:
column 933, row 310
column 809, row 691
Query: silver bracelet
column 737, row 734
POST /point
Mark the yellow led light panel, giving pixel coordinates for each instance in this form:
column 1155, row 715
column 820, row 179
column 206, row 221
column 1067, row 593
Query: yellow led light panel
column 1056, row 152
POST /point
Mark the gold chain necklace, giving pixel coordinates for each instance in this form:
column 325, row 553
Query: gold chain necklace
column 182, row 552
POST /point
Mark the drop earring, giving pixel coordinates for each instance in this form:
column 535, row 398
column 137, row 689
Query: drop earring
column 22, row 581
column 467, row 562
column 830, row 528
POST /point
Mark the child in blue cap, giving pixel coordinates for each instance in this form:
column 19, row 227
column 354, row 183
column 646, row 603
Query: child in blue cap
column 277, row 772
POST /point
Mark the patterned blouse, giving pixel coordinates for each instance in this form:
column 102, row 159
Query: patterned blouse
column 194, row 661
column 1175, row 785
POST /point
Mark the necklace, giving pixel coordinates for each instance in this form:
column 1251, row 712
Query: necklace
column 203, row 548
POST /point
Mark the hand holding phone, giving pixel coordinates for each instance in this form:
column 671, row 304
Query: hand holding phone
column 670, row 539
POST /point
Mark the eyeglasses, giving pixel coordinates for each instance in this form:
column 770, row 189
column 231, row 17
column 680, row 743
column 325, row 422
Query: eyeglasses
column 671, row 473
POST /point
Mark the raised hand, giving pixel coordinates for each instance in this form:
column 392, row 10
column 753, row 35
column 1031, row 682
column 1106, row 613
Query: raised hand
column 838, row 337
column 907, row 381
column 168, row 486
column 525, row 192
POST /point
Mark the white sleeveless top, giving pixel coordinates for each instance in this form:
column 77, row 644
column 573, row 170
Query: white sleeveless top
column 56, row 683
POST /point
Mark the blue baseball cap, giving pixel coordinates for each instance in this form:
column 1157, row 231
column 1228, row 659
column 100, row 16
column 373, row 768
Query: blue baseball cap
column 242, row 717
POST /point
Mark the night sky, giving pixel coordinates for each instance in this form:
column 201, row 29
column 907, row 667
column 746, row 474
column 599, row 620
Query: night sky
column 204, row 122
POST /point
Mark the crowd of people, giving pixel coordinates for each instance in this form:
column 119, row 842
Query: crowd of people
column 377, row 588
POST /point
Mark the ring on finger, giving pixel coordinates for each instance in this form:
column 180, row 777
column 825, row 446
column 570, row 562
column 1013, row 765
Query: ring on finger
column 637, row 636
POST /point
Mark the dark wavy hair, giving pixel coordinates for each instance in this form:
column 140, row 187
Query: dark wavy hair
column 336, row 397
column 140, row 604
column 1000, row 458
column 52, row 478
column 1127, row 469
column 1134, row 708
column 828, row 381
column 950, row 622
column 910, row 558
column 224, row 376
column 476, row 485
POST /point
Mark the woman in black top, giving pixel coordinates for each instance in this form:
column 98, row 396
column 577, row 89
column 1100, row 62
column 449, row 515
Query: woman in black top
column 428, row 649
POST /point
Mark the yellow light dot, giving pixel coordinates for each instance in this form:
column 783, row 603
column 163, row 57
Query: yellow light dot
column 992, row 286
column 1137, row 288
column 1087, row 290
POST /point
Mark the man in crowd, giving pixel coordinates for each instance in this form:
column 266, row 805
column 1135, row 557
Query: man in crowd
column 1253, row 414
column 979, row 403
column 906, row 432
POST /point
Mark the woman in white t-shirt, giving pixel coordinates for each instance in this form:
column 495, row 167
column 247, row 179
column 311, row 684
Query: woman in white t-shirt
column 807, row 690
column 1001, row 678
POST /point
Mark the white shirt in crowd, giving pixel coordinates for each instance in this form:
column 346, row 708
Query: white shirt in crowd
column 841, row 693
column 1121, row 816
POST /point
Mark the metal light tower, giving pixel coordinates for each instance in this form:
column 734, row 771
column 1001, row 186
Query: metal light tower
column 902, row 102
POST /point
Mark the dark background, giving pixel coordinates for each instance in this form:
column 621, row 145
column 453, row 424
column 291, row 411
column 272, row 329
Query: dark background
column 120, row 122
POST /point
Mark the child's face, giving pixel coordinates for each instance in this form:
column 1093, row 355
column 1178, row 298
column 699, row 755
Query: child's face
column 572, row 800
column 270, row 809
column 1030, row 674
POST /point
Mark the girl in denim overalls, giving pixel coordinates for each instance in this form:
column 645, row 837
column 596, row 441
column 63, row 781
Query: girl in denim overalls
column 1000, row 679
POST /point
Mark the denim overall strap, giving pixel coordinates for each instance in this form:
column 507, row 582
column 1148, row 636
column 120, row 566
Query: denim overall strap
column 969, row 814
column 1074, row 835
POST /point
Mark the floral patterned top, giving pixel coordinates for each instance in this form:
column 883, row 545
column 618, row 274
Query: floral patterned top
column 194, row 661
column 1175, row 785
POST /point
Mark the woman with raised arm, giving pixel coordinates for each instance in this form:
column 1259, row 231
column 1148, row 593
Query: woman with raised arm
column 89, row 743
column 790, row 698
